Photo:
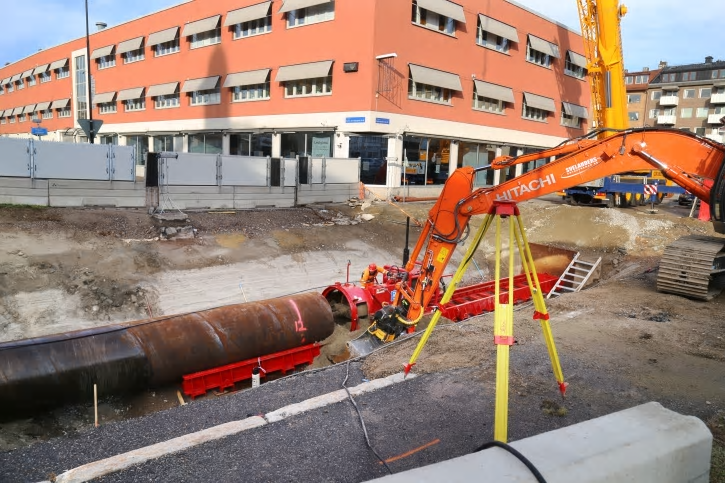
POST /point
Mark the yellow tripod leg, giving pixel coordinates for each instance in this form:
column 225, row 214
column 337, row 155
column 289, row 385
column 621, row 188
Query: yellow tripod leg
column 503, row 335
column 457, row 277
column 540, row 311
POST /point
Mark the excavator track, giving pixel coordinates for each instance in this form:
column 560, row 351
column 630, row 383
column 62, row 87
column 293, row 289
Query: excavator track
column 693, row 267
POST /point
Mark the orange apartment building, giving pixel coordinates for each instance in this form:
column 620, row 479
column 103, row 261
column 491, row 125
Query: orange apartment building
column 415, row 88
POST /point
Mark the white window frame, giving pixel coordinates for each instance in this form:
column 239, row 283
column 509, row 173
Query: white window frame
column 653, row 113
column 62, row 73
column 571, row 69
column 106, row 62
column 252, row 28
column 488, row 104
column 167, row 48
column 704, row 90
column 484, row 38
column 134, row 105
column 656, row 95
column 205, row 39
column 630, row 98
column 253, row 92
column 167, row 102
column 633, row 116
column 570, row 121
column 134, row 56
column 629, row 80
column 2, row 121
column 107, row 108
column 22, row 117
column 311, row 15
column 700, row 131
column 205, row 98
column 417, row 91
column 11, row 87
column 20, row 84
column 702, row 112
column 12, row 119
column 318, row 86
column 534, row 114
column 31, row 81
column 536, row 57
column 641, row 79
column 686, row 113
column 719, row 110
column 45, row 77
column 688, row 91
column 47, row 114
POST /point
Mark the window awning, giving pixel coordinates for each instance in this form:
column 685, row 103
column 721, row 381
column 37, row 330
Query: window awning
column 15, row 78
column 41, row 69
column 498, row 28
column 304, row 71
column 58, row 64
column 539, row 102
column 203, row 84
column 247, row 78
column 6, row 113
column 577, row 111
column 161, row 37
column 129, row 45
column 200, row 26
column 103, row 98
column 444, row 7
column 246, row 14
column 435, row 77
column 60, row 104
column 577, row 59
column 494, row 91
column 17, row 111
column 26, row 74
column 102, row 52
column 5, row 81
column 135, row 93
column 544, row 46
column 43, row 106
column 29, row 109
column 290, row 5
column 162, row 89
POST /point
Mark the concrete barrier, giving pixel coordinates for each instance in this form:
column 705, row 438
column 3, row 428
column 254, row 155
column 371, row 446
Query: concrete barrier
column 24, row 191
column 645, row 444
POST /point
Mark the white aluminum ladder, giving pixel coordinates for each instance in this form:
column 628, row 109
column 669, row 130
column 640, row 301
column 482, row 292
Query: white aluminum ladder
column 575, row 276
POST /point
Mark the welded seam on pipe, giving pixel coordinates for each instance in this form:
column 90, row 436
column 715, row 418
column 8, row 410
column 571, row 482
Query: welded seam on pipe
column 139, row 456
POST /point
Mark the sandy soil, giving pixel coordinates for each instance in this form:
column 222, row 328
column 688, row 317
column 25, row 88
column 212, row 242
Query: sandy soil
column 69, row 269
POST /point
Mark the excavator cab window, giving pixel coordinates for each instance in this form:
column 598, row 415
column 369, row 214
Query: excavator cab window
column 717, row 201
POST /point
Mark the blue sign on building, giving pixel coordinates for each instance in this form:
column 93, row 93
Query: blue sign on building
column 38, row 131
column 382, row 120
column 354, row 120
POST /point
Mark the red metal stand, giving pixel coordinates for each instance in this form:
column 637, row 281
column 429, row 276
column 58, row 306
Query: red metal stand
column 225, row 377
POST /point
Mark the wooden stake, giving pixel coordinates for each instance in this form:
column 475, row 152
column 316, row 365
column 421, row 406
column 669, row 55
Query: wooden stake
column 95, row 402
column 181, row 398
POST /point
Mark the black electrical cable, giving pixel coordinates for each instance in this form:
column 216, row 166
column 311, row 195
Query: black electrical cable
column 362, row 422
column 539, row 477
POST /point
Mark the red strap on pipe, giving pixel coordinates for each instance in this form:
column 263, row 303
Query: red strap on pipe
column 539, row 316
column 503, row 339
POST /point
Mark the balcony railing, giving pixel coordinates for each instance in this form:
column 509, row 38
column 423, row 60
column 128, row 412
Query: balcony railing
column 715, row 137
column 669, row 100
column 717, row 99
column 715, row 118
column 666, row 119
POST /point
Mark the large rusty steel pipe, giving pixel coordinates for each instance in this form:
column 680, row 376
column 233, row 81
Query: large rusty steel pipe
column 47, row 372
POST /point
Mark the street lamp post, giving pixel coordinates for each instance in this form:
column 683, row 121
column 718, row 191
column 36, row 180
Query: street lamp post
column 89, row 105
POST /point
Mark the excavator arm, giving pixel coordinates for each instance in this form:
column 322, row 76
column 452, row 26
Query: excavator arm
column 690, row 161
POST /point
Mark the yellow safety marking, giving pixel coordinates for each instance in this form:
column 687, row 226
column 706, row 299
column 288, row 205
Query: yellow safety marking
column 442, row 255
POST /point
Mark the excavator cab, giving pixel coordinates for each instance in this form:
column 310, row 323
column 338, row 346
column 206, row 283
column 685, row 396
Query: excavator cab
column 717, row 201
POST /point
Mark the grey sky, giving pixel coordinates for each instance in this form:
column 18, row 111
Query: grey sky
column 673, row 30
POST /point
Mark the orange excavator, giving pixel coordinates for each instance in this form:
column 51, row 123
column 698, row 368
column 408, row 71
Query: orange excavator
column 693, row 162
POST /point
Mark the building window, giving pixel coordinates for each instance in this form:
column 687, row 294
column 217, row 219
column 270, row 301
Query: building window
column 204, row 98
column 22, row 118
column 11, row 87
column 700, row 131
column 670, row 111
column 204, row 39
column 253, row 27
column 80, row 90
column 31, row 81
column 163, row 143
column 310, row 15
column 250, row 93
column 634, row 116
column 61, row 73
column 2, row 90
column 705, row 93
column 205, row 143
column 45, row 77
column 669, row 77
column 134, row 56
column 702, row 112
column 140, row 146
column 20, row 84
column 320, row 86
column 65, row 112
column 641, row 79
column 3, row 121
column 487, row 104
column 634, row 98
column 570, row 68
column 166, row 48
column 653, row 113
column 135, row 104
column 656, row 95
column 246, row 144
column 490, row 40
column 167, row 102
column 106, row 62
column 718, row 73
column 539, row 58
column 689, row 76
column 425, row 92
column 12, row 119
column 719, row 110
column 535, row 114
column 431, row 20
column 628, row 80
column 109, row 139
column 47, row 114
column 686, row 113
column 107, row 108
column 689, row 94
